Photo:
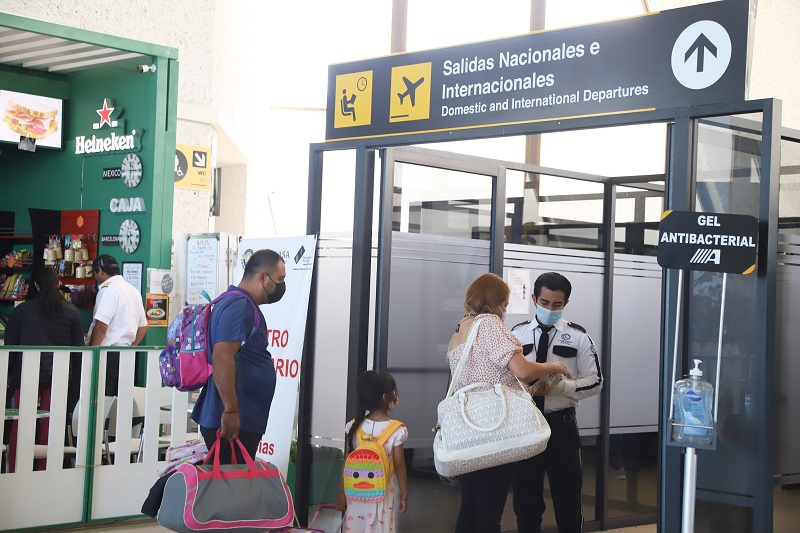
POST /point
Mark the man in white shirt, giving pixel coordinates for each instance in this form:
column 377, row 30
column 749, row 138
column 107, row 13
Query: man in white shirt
column 118, row 318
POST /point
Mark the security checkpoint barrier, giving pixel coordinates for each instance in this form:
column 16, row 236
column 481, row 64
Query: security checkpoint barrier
column 108, row 480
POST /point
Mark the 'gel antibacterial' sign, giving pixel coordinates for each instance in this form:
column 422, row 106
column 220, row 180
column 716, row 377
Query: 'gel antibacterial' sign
column 710, row 242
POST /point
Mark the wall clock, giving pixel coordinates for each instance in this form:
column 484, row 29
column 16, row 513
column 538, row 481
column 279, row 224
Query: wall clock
column 131, row 170
column 129, row 236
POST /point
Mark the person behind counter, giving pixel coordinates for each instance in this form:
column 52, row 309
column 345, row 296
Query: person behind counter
column 45, row 320
column 118, row 318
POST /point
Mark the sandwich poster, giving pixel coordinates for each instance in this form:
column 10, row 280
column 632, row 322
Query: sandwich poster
column 28, row 115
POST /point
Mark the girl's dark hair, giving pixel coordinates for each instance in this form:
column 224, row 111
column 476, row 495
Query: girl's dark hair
column 52, row 299
column 371, row 387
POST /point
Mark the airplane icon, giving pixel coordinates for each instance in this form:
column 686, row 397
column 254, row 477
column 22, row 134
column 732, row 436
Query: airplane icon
column 411, row 89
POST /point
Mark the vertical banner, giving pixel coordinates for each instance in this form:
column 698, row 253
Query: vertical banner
column 286, row 328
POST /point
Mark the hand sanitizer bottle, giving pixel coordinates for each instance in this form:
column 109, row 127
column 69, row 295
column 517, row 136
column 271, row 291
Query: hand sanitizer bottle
column 693, row 408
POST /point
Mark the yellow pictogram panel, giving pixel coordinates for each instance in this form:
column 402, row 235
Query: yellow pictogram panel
column 353, row 100
column 411, row 93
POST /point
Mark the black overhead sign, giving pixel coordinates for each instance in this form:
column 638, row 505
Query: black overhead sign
column 710, row 242
column 680, row 57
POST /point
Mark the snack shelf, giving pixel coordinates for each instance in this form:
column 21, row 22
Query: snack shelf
column 77, row 281
column 18, row 299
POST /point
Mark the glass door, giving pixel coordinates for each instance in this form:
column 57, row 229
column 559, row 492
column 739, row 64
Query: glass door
column 437, row 240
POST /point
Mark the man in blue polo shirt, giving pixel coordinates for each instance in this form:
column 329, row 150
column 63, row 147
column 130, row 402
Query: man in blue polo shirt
column 237, row 398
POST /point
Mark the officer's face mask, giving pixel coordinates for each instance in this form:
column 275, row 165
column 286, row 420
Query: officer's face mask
column 546, row 316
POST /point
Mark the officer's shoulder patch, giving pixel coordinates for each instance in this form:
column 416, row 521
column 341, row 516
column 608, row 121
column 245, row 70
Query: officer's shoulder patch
column 520, row 324
column 576, row 326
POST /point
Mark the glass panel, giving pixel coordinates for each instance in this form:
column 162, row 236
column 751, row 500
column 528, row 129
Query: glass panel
column 638, row 212
column 638, row 150
column 435, row 201
column 789, row 201
column 635, row 362
column 786, row 503
column 728, row 174
column 547, row 210
column 504, row 148
column 440, row 243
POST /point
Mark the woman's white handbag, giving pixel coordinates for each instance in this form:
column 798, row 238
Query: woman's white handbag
column 480, row 429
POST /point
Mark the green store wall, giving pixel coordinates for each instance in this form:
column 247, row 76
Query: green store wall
column 63, row 180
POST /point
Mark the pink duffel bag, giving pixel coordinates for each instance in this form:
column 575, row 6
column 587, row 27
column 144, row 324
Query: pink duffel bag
column 211, row 497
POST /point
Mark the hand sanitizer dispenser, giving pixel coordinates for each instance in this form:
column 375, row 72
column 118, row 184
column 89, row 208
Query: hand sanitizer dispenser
column 694, row 415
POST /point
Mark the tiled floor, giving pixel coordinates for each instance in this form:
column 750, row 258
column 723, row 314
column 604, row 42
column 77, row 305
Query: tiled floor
column 152, row 527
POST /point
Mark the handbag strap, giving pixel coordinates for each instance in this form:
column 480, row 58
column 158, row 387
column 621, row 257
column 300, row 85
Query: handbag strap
column 473, row 331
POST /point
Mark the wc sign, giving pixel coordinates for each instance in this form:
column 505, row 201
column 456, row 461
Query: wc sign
column 709, row 242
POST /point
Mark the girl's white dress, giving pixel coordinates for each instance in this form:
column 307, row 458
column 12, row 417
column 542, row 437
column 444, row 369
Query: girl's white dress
column 379, row 517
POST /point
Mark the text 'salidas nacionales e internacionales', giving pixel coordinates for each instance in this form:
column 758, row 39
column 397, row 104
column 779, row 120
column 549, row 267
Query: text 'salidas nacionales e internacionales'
column 545, row 85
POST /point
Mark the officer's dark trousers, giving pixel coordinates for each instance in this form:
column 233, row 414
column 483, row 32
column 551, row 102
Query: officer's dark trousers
column 483, row 497
column 562, row 463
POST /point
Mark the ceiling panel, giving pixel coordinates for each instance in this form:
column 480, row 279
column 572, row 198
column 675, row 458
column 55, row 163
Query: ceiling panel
column 36, row 51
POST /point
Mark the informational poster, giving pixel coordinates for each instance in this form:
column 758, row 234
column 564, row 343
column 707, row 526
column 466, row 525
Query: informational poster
column 132, row 273
column 519, row 281
column 286, row 327
column 201, row 272
column 161, row 281
column 156, row 306
column 29, row 115
column 192, row 167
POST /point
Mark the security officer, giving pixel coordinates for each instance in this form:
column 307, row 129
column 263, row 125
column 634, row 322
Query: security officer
column 551, row 338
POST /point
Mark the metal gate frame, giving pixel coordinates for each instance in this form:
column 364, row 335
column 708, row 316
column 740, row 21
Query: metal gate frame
column 682, row 140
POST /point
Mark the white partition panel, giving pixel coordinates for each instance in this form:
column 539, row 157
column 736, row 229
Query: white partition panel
column 429, row 276
column 584, row 269
column 635, row 341
column 787, row 364
column 119, row 488
column 32, row 497
column 332, row 323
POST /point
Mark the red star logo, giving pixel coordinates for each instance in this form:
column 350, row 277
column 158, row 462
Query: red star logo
column 105, row 114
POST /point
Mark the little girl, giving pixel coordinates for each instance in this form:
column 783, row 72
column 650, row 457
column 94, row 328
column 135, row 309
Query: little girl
column 376, row 396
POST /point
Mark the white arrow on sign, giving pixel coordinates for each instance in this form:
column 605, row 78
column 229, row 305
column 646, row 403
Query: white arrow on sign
column 200, row 159
column 701, row 54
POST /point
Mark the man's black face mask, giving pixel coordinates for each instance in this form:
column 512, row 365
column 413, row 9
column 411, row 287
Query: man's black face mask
column 280, row 290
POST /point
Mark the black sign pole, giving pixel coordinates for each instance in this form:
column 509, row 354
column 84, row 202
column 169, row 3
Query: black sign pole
column 712, row 243
column 678, row 307
column 690, row 462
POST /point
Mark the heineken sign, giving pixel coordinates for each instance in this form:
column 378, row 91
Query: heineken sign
column 709, row 242
column 673, row 58
column 115, row 141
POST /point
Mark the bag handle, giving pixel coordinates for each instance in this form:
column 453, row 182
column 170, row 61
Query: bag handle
column 498, row 389
column 215, row 452
column 473, row 331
